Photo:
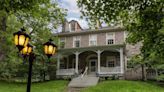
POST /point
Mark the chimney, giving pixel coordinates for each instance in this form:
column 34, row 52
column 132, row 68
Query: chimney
column 98, row 24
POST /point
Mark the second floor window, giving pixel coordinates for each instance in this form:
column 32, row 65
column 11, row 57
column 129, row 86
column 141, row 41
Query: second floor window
column 93, row 40
column 76, row 41
column 62, row 42
column 110, row 38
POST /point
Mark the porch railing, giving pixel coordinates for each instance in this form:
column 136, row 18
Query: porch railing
column 85, row 72
column 110, row 69
column 70, row 71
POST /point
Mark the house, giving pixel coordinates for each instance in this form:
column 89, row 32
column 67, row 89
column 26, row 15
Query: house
column 101, row 52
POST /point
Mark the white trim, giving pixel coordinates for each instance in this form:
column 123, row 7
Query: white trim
column 113, row 33
column 77, row 62
column 121, row 60
column 125, row 35
column 69, row 27
column 95, row 60
column 64, row 38
column 92, row 39
column 75, row 39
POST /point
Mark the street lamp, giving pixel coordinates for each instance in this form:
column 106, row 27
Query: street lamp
column 21, row 40
column 27, row 50
column 49, row 48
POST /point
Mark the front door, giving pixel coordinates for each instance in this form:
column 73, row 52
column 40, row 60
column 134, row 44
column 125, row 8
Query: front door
column 92, row 66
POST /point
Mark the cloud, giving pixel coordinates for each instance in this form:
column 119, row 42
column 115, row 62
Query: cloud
column 73, row 12
column 70, row 5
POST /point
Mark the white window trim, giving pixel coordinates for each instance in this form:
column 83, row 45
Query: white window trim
column 69, row 27
column 90, row 39
column 125, row 35
column 108, row 57
column 74, row 39
column 63, row 41
column 113, row 38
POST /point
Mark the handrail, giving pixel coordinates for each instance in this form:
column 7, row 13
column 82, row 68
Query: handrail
column 85, row 72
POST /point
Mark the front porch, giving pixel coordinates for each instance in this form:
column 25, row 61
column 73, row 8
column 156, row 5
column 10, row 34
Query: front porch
column 101, row 61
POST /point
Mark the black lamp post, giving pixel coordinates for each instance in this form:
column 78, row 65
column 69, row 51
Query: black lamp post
column 21, row 40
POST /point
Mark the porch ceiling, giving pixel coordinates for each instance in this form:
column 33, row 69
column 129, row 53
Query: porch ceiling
column 91, row 48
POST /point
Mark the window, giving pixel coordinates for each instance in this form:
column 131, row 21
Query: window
column 110, row 61
column 92, row 40
column 109, row 38
column 62, row 42
column 72, row 26
column 76, row 41
column 62, row 65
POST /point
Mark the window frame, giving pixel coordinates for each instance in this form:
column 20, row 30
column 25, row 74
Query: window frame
column 108, row 38
column 108, row 59
column 64, row 40
column 92, row 39
column 76, row 38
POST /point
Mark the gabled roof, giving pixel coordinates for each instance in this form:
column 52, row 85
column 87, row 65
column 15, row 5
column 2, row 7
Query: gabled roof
column 77, row 23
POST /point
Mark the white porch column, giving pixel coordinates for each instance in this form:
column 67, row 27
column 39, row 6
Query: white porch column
column 121, row 60
column 77, row 61
column 98, row 57
column 58, row 61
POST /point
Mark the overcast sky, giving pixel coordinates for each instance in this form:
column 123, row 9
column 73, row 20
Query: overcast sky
column 73, row 12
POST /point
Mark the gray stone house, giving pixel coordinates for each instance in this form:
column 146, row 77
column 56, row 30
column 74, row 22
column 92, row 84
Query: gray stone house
column 102, row 52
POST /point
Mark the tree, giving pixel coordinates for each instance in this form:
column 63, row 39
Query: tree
column 39, row 18
column 13, row 6
column 143, row 19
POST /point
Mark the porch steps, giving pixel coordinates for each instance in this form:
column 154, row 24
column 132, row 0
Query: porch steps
column 82, row 82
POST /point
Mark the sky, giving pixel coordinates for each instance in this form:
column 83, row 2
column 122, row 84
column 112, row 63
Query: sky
column 73, row 12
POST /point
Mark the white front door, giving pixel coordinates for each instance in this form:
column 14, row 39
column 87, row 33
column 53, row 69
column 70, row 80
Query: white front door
column 92, row 65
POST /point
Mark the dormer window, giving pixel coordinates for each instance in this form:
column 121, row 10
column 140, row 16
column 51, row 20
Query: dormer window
column 110, row 38
column 72, row 26
column 93, row 40
column 76, row 41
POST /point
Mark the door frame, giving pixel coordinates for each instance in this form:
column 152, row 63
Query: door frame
column 92, row 60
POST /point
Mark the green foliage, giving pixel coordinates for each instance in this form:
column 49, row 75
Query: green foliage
column 143, row 19
column 40, row 18
column 160, row 77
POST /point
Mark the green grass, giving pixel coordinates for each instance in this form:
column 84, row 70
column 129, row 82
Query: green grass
column 124, row 86
column 51, row 86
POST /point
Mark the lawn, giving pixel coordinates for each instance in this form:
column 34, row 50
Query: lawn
column 124, row 86
column 51, row 86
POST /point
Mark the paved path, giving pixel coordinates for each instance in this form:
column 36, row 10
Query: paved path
column 78, row 83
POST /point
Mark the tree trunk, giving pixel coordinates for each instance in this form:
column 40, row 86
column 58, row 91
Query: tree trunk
column 3, row 23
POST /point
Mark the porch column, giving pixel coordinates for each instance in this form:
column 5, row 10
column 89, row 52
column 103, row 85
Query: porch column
column 98, row 57
column 121, row 60
column 77, row 61
column 58, row 61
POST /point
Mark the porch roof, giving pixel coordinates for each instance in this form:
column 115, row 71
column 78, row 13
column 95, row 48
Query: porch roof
column 112, row 47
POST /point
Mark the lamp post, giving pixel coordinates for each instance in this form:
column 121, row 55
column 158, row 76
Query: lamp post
column 21, row 40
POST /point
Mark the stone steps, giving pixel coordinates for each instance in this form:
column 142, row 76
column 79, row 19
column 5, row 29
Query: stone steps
column 83, row 82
